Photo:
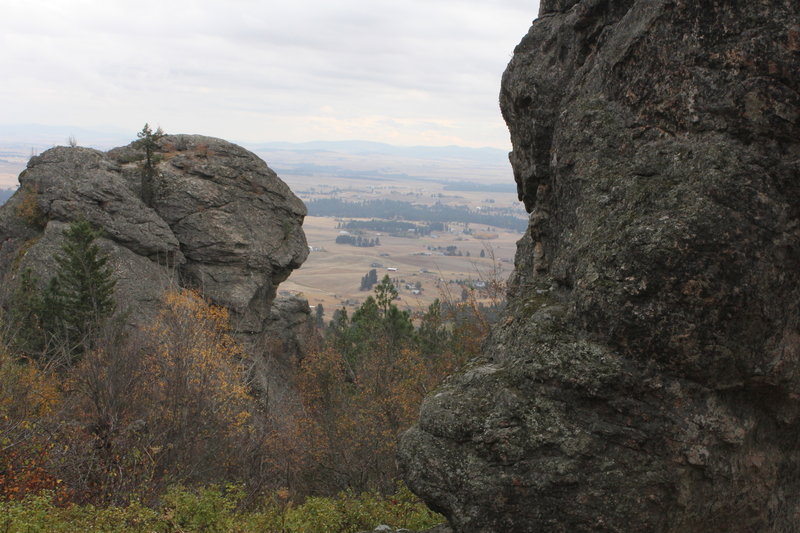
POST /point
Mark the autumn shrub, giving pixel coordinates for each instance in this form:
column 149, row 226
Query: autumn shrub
column 29, row 209
column 169, row 405
column 198, row 406
column 27, row 397
column 365, row 386
column 152, row 407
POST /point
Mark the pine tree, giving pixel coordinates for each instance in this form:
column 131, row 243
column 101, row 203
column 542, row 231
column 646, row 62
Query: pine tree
column 148, row 141
column 368, row 281
column 320, row 316
column 81, row 294
column 25, row 315
column 385, row 294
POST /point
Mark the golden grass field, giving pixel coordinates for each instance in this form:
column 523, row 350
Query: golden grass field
column 332, row 273
column 332, row 276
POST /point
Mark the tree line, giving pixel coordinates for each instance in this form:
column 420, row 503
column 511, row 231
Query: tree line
column 395, row 209
column 358, row 240
column 394, row 227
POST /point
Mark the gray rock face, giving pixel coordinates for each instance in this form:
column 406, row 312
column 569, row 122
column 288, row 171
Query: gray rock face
column 288, row 334
column 220, row 220
column 647, row 376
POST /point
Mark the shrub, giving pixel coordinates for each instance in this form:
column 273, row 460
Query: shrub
column 29, row 210
column 214, row 509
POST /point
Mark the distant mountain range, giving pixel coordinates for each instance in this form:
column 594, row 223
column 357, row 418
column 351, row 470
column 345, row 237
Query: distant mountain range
column 346, row 159
column 41, row 136
column 26, row 136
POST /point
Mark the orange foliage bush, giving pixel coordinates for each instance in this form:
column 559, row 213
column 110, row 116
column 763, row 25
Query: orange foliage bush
column 29, row 210
column 167, row 404
column 27, row 396
column 352, row 424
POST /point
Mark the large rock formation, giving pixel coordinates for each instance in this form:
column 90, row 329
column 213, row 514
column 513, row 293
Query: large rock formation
column 216, row 218
column 647, row 377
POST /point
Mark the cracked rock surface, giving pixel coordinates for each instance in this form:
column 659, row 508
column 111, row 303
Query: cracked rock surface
column 647, row 375
column 219, row 220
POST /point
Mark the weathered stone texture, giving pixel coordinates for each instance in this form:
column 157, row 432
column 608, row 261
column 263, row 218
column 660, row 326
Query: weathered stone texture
column 647, row 376
column 219, row 220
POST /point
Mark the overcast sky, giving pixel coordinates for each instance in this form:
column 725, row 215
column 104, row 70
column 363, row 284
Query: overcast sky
column 409, row 72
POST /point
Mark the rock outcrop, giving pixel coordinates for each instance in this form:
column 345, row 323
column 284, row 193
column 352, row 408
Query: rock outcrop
column 647, row 376
column 217, row 219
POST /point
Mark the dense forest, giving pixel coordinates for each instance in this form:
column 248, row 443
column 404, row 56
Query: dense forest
column 103, row 426
column 393, row 209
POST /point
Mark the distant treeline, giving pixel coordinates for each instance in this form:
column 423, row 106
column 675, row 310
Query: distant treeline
column 391, row 209
column 480, row 187
column 394, row 226
column 355, row 240
column 5, row 194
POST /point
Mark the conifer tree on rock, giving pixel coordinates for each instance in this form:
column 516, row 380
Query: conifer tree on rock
column 81, row 294
column 148, row 141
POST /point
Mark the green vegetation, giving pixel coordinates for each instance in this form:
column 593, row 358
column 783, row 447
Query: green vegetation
column 220, row 509
column 63, row 319
column 394, row 227
column 393, row 209
column 357, row 240
column 160, row 429
column 81, row 294
column 148, row 141
column 369, row 280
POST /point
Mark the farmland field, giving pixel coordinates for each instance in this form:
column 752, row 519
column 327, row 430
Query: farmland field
column 332, row 274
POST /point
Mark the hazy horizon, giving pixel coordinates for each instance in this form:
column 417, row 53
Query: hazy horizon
column 407, row 74
column 357, row 157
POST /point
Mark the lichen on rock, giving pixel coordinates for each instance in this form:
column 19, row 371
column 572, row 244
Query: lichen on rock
column 646, row 378
column 218, row 220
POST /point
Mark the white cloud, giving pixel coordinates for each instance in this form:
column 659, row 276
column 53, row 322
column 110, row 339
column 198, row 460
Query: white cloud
column 387, row 70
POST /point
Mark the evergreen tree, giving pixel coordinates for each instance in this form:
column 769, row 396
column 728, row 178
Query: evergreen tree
column 81, row 294
column 385, row 294
column 398, row 326
column 338, row 332
column 433, row 336
column 368, row 281
column 25, row 314
column 148, row 141
column 320, row 316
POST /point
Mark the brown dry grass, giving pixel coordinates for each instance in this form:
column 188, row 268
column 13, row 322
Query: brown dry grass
column 332, row 276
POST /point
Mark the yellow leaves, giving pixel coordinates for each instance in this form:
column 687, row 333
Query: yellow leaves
column 195, row 364
column 26, row 393
column 356, row 409
column 29, row 210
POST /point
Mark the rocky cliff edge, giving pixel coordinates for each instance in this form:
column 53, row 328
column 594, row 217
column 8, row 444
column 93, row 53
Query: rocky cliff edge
column 217, row 219
column 647, row 376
